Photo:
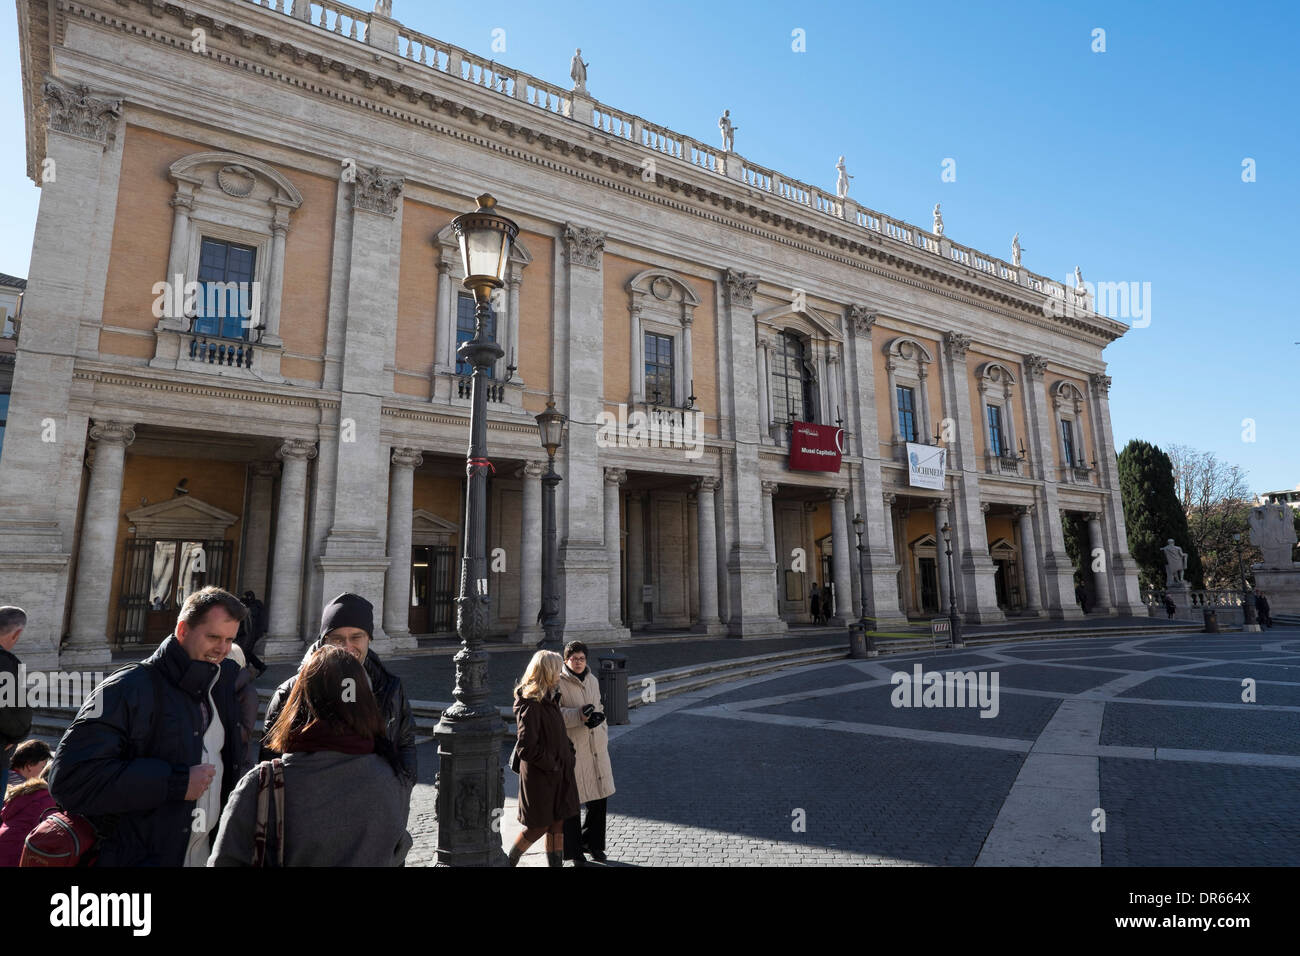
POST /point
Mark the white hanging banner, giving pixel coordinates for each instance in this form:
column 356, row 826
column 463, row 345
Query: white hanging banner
column 925, row 465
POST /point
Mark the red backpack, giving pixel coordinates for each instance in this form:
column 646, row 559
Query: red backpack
column 60, row 839
column 69, row 839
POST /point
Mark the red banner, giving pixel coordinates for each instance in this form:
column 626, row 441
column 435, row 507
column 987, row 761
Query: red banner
column 815, row 447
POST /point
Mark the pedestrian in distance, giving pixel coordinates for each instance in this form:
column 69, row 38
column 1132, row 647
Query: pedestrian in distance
column 154, row 751
column 815, row 603
column 1081, row 597
column 548, row 792
column 251, row 630
column 340, row 797
column 828, row 602
column 15, row 721
column 584, row 719
column 1262, row 613
column 1170, row 607
column 26, row 802
column 348, row 622
column 246, row 697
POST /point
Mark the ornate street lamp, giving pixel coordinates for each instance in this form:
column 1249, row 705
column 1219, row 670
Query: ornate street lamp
column 954, row 622
column 470, row 781
column 1247, row 595
column 550, row 424
column 859, row 525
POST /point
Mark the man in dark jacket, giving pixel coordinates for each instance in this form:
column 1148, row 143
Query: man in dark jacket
column 251, row 630
column 157, row 741
column 348, row 621
column 15, row 721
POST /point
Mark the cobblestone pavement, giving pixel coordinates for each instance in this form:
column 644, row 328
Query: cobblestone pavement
column 1137, row 751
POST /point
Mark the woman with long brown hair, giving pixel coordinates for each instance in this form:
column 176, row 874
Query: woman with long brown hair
column 548, row 792
column 344, row 801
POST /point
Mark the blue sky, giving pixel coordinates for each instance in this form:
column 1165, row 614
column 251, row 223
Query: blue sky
column 1127, row 163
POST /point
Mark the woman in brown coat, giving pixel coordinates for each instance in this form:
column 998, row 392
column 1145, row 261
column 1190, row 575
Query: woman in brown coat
column 548, row 793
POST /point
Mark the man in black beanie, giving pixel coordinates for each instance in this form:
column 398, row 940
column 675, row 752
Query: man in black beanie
column 348, row 622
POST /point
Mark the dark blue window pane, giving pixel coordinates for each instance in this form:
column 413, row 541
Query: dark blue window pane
column 465, row 324
column 995, row 429
column 225, row 301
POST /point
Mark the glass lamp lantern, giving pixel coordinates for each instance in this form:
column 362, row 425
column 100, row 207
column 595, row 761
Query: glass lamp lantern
column 485, row 238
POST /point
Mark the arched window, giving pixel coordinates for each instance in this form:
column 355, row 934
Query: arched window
column 791, row 381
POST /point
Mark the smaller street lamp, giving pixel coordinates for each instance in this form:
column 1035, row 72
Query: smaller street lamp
column 1250, row 620
column 859, row 526
column 954, row 622
column 550, row 425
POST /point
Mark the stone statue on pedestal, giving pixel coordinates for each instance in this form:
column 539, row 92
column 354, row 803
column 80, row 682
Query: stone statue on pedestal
column 1273, row 532
column 578, row 70
column 1078, row 278
column 842, row 180
column 938, row 221
column 384, row 8
column 1175, row 565
column 1015, row 249
column 728, row 131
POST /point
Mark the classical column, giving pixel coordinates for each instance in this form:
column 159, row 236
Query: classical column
column 941, row 556
column 764, row 408
column 708, row 558
column 1029, row 562
column 769, row 534
column 843, row 597
column 446, row 319
column 397, row 583
column 635, row 558
column 1121, row 567
column 270, row 316
column 1100, row 579
column 285, row 635
column 257, row 535
column 1058, row 572
column 614, row 479
column 88, row 642
column 530, row 554
column 855, row 558
column 512, row 325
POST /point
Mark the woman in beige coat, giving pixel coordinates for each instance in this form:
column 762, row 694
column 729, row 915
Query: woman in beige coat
column 584, row 719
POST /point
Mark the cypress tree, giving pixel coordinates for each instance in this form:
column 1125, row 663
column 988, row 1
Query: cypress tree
column 1153, row 513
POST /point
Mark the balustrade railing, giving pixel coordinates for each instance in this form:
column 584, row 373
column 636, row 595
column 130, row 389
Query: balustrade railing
column 496, row 391
column 349, row 22
column 230, row 353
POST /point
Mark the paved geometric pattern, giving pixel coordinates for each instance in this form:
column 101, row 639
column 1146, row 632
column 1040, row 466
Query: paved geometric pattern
column 816, row 766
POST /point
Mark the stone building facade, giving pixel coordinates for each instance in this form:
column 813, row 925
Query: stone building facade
column 311, row 158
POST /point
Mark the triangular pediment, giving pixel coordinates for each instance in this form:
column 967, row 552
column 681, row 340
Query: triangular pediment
column 182, row 517
column 427, row 521
column 815, row 320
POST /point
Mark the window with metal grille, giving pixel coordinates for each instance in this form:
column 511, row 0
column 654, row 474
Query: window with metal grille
column 224, row 307
column 659, row 368
column 906, row 413
column 791, row 383
column 995, row 429
column 1067, row 441
column 465, row 309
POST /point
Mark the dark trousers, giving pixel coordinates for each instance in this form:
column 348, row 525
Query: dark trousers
column 590, row 835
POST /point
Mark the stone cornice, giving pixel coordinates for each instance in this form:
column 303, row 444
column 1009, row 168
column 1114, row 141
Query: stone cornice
column 736, row 202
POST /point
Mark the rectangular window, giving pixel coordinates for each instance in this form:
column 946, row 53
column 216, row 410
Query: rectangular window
column 995, row 429
column 225, row 303
column 659, row 368
column 465, row 325
column 906, row 413
column 1067, row 442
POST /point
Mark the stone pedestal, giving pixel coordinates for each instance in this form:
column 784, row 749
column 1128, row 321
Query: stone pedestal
column 1281, row 585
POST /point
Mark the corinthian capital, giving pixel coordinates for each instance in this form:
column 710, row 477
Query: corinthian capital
column 376, row 191
column 955, row 344
column 861, row 320
column 1035, row 365
column 741, row 287
column 584, row 247
column 76, row 110
column 1100, row 383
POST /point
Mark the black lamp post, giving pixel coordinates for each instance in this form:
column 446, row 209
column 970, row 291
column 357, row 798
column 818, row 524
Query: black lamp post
column 954, row 622
column 1247, row 596
column 859, row 525
column 470, row 784
column 550, row 424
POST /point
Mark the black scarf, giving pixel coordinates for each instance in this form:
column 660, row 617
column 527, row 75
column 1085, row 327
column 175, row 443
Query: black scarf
column 580, row 677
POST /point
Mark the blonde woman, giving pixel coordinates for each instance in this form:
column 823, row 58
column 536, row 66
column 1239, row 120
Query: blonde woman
column 548, row 793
